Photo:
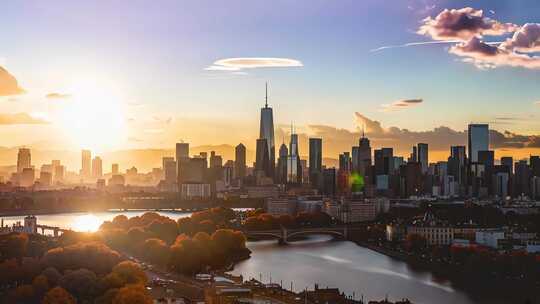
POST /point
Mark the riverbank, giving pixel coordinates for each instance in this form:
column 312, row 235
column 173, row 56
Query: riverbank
column 516, row 290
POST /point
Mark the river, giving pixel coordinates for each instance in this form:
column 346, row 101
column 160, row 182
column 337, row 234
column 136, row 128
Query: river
column 317, row 259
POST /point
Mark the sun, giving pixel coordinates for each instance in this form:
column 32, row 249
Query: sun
column 86, row 223
column 94, row 116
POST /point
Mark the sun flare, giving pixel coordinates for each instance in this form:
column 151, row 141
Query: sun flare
column 86, row 223
column 94, row 117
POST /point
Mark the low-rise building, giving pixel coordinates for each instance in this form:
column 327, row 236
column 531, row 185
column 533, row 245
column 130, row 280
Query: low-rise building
column 195, row 191
column 281, row 206
column 493, row 238
column 227, row 294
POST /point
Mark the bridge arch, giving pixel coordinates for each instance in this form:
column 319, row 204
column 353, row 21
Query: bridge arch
column 339, row 234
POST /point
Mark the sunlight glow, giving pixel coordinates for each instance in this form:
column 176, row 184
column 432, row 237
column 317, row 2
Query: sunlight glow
column 86, row 223
column 94, row 116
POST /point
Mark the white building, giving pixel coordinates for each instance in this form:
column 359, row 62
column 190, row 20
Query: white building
column 490, row 237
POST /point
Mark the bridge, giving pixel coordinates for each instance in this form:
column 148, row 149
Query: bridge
column 284, row 234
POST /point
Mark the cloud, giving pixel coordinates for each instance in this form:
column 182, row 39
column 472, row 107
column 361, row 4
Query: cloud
column 8, row 84
column 238, row 64
column 485, row 56
column 526, row 39
column 20, row 119
column 338, row 140
column 401, row 104
column 463, row 24
column 57, row 96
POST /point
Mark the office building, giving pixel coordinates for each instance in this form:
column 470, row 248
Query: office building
column 534, row 162
column 315, row 162
column 45, row 178
column 384, row 161
column 169, row 170
column 262, row 161
column 423, row 157
column 182, row 157
column 86, row 163
column 345, row 164
column 115, row 169
column 267, row 133
column 240, row 161
column 364, row 156
column 508, row 162
column 24, row 159
column 478, row 138
column 97, row 167
column 27, row 177
column 281, row 168
column 216, row 161
column 294, row 168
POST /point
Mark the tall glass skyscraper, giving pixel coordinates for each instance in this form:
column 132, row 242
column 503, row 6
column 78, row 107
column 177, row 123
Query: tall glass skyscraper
column 423, row 156
column 267, row 133
column 478, row 140
column 294, row 169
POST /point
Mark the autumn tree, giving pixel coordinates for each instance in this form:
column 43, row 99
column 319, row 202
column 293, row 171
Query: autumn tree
column 58, row 295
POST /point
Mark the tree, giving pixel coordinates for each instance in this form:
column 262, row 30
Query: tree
column 156, row 251
column 52, row 275
column 22, row 294
column 130, row 273
column 185, row 257
column 40, row 285
column 132, row 294
column 13, row 245
column 58, row 295
column 94, row 256
column 82, row 283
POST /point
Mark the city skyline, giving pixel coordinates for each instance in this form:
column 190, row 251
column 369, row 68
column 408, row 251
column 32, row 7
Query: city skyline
column 59, row 102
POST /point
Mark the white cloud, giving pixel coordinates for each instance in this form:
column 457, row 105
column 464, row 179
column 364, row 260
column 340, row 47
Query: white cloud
column 240, row 63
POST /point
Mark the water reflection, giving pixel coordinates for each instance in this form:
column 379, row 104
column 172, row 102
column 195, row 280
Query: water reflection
column 353, row 269
column 85, row 221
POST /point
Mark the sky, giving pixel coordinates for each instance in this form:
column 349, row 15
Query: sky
column 113, row 75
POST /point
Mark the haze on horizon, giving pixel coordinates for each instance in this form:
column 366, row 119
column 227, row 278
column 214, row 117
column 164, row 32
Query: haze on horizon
column 147, row 76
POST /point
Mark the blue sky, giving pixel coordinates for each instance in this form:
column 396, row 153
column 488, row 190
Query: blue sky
column 155, row 54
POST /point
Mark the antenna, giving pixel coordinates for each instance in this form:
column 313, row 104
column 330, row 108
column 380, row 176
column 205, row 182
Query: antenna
column 266, row 96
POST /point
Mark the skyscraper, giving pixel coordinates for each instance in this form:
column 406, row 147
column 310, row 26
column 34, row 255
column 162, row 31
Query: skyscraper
column 216, row 161
column 267, row 133
column 364, row 155
column 508, row 163
column 262, row 162
column 169, row 170
column 315, row 155
column 281, row 172
column 182, row 157
column 86, row 163
column 97, row 167
column 240, row 161
column 24, row 159
column 478, row 135
column 456, row 166
column 315, row 162
column 294, row 169
column 345, row 162
column 114, row 169
column 423, row 157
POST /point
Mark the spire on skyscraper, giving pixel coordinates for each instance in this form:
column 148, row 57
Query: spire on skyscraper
column 266, row 95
